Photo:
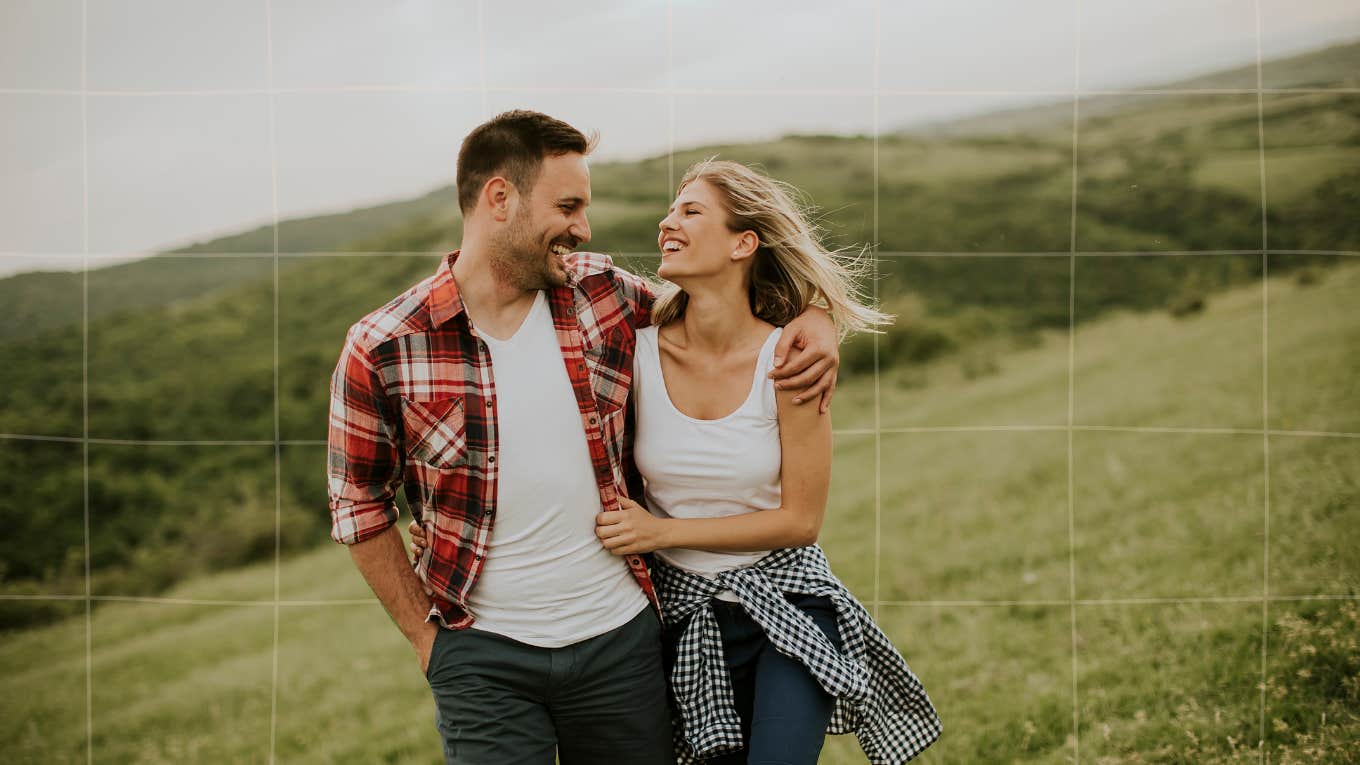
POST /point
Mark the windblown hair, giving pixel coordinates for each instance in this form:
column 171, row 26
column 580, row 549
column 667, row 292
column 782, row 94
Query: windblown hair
column 512, row 145
column 791, row 269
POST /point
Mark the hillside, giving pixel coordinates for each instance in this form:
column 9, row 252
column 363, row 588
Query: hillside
column 1167, row 554
column 1172, row 174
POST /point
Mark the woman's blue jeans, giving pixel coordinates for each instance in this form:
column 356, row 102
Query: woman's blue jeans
column 783, row 710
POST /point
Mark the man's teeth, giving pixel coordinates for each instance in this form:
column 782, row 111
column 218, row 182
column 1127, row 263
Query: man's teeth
column 561, row 249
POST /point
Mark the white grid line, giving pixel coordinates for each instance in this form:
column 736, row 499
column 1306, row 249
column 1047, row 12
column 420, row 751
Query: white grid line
column 278, row 449
column 125, row 258
column 85, row 367
column 670, row 98
column 878, row 397
column 1265, row 382
column 481, row 61
column 876, row 93
column 1071, row 386
column 627, row 91
column 980, row 603
column 1274, row 433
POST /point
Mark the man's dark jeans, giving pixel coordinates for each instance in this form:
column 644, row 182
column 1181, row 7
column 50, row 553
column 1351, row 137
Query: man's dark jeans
column 601, row 700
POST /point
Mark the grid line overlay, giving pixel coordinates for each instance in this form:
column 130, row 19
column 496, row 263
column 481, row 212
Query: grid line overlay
column 877, row 303
column 639, row 91
column 85, row 367
column 1071, row 386
column 1265, row 385
column 124, row 257
column 1272, row 433
column 87, row 258
column 1035, row 602
column 278, row 455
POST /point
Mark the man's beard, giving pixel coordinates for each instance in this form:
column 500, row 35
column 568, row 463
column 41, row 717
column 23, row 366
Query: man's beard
column 522, row 259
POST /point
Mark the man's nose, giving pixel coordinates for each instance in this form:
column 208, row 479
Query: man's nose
column 581, row 229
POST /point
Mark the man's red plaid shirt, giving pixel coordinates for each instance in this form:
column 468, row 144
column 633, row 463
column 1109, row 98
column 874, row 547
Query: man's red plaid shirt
column 413, row 404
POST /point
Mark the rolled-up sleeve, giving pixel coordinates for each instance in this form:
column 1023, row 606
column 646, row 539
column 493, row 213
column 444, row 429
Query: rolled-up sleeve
column 363, row 450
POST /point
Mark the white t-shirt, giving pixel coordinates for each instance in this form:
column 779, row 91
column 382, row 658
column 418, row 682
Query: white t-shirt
column 547, row 580
column 706, row 468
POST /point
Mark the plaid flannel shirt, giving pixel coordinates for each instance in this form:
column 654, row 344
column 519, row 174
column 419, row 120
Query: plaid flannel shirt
column 413, row 404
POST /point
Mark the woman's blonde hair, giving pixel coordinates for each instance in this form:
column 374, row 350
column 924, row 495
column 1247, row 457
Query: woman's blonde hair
column 790, row 269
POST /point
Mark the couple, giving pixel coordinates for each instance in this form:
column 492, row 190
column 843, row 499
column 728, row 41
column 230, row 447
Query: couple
column 515, row 395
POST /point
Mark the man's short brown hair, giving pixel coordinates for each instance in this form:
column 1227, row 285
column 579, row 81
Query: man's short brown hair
column 512, row 145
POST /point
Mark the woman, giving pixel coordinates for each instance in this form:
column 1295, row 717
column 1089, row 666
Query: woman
column 767, row 651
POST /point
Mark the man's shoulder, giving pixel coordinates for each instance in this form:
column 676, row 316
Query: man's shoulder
column 404, row 314
column 592, row 267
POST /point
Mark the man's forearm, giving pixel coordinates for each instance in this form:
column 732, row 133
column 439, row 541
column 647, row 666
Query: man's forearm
column 383, row 563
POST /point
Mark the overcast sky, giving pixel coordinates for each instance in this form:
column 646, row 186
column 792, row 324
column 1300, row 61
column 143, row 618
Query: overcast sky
column 372, row 98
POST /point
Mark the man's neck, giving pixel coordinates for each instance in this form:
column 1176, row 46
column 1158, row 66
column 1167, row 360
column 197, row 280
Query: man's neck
column 494, row 307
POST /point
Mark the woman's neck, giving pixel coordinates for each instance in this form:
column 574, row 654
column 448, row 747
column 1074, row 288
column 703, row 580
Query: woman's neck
column 717, row 322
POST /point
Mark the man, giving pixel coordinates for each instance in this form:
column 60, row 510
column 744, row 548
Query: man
column 495, row 391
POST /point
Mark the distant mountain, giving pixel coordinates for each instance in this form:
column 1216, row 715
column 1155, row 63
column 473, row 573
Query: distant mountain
column 1337, row 66
column 938, row 187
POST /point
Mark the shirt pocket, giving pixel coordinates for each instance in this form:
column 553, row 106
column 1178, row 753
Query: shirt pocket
column 611, row 370
column 436, row 433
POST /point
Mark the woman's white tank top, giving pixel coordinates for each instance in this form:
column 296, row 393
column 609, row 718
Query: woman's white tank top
column 706, row 468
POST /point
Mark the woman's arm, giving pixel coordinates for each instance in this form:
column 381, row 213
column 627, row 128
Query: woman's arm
column 805, row 477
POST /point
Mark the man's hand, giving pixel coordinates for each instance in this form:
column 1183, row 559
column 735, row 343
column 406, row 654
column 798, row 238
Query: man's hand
column 807, row 358
column 630, row 530
column 381, row 560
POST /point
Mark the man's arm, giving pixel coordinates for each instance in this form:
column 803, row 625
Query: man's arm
column 364, row 470
column 383, row 563
column 807, row 358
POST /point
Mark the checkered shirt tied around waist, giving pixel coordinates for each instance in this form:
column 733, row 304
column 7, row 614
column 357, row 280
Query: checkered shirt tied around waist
column 877, row 696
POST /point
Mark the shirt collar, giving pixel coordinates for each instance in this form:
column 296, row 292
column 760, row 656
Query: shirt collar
column 444, row 301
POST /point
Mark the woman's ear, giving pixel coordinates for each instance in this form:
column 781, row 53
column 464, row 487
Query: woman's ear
column 747, row 244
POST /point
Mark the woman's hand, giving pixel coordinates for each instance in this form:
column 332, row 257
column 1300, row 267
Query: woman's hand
column 418, row 540
column 630, row 530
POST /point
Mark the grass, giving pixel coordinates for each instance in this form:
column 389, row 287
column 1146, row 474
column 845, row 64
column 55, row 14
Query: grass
column 971, row 522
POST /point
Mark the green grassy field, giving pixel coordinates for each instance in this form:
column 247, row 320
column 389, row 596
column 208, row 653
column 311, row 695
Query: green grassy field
column 972, row 571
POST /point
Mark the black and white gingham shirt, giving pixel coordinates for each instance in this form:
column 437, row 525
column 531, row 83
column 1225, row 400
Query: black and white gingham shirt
column 877, row 695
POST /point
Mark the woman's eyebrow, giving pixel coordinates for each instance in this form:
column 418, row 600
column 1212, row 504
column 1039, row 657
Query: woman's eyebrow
column 686, row 202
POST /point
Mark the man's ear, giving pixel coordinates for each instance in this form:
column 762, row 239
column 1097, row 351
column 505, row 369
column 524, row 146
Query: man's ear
column 500, row 199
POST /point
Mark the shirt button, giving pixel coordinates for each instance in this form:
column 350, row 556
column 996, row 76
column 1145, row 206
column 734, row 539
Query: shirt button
column 490, row 404
column 594, row 420
column 580, row 367
column 492, row 458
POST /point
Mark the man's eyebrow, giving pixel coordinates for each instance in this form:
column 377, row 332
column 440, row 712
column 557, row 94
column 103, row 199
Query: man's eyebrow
column 573, row 201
